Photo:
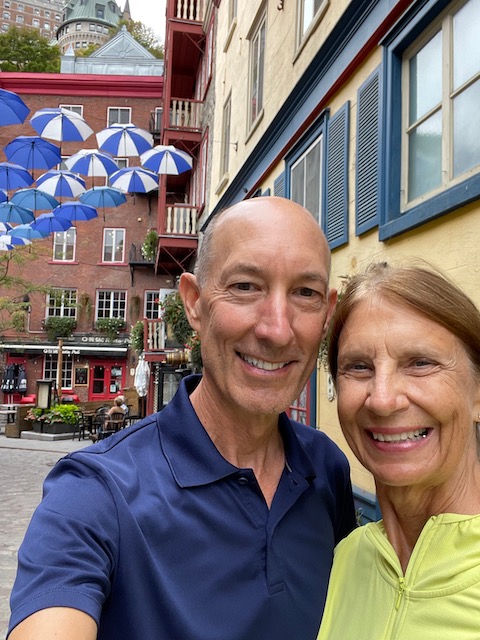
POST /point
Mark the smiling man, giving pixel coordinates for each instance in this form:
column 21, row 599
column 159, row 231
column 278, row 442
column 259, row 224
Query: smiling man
column 217, row 517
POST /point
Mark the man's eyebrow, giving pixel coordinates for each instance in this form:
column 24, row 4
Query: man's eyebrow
column 253, row 270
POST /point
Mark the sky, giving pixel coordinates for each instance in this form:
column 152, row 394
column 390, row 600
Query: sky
column 151, row 13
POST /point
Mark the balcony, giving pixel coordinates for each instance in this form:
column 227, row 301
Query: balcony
column 191, row 10
column 185, row 114
column 136, row 259
column 177, row 242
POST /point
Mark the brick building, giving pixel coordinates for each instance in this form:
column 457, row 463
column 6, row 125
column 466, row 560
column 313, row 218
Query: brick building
column 96, row 269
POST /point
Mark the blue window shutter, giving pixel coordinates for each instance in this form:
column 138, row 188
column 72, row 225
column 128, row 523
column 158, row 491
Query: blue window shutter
column 279, row 186
column 336, row 208
column 368, row 154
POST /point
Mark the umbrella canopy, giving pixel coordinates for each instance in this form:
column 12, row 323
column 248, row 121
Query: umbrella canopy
column 124, row 140
column 166, row 160
column 49, row 223
column 103, row 197
column 26, row 231
column 33, row 152
column 61, row 184
column 134, row 180
column 13, row 176
column 5, row 228
column 13, row 110
column 92, row 162
column 60, row 124
column 75, row 211
column 10, row 212
column 3, row 195
column 9, row 239
column 142, row 377
column 35, row 199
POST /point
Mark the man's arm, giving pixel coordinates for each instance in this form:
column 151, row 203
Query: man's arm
column 56, row 623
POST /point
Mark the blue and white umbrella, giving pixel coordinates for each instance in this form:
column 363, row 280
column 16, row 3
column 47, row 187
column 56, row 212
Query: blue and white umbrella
column 166, row 160
column 5, row 228
column 13, row 176
column 33, row 152
column 124, row 140
column 61, row 184
column 92, row 162
column 35, row 199
column 134, row 180
column 8, row 242
column 75, row 211
column 49, row 223
column 60, row 124
column 13, row 213
column 103, row 197
column 13, row 110
column 26, row 231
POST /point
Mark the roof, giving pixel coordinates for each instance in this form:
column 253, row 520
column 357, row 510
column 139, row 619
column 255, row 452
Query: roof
column 104, row 11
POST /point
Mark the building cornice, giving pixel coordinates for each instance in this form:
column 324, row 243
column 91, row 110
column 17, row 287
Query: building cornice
column 82, row 84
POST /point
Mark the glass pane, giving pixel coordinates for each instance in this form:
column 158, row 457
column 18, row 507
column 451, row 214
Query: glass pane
column 466, row 43
column 312, row 186
column 425, row 157
column 466, row 130
column 425, row 89
column 298, row 182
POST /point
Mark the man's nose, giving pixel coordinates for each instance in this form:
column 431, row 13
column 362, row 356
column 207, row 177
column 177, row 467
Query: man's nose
column 274, row 322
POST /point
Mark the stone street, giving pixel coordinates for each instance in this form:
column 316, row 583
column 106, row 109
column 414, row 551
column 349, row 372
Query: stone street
column 23, row 467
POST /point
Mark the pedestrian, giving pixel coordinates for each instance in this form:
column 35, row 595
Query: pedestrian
column 217, row 517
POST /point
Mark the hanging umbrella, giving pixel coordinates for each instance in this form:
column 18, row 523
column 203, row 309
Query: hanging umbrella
column 60, row 124
column 49, row 223
column 10, row 212
column 124, row 140
column 166, row 160
column 5, row 228
column 13, row 110
column 92, row 162
column 26, row 231
column 3, row 195
column 13, row 176
column 103, row 197
column 33, row 152
column 61, row 183
column 75, row 211
column 35, row 199
column 10, row 242
column 134, row 180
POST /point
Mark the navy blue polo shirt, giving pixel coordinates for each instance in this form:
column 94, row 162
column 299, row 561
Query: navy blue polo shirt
column 156, row 536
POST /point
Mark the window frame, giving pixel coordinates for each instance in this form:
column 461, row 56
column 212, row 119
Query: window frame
column 418, row 21
column 58, row 302
column 226, row 131
column 256, row 55
column 151, row 304
column 117, row 301
column 50, row 369
column 114, row 231
column 111, row 121
column 303, row 33
column 65, row 244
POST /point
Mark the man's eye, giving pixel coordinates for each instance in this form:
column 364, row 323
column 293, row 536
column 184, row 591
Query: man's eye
column 243, row 286
column 306, row 292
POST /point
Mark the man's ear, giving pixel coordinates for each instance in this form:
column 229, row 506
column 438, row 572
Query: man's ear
column 190, row 294
column 331, row 304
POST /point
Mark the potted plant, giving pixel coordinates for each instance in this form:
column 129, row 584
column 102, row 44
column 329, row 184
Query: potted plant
column 136, row 337
column 59, row 327
column 60, row 418
column 110, row 326
column 149, row 246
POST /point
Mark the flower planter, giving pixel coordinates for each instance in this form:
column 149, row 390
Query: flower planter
column 54, row 427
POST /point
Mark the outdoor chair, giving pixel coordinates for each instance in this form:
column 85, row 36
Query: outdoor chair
column 80, row 426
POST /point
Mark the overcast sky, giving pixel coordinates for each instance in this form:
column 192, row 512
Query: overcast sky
column 151, row 13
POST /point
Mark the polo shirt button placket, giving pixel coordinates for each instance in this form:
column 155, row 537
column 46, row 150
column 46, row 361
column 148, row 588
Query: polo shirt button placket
column 243, row 481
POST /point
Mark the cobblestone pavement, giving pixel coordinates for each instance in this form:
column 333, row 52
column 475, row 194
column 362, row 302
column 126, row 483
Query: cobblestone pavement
column 23, row 467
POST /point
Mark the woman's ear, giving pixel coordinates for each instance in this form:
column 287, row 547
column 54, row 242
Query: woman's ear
column 190, row 294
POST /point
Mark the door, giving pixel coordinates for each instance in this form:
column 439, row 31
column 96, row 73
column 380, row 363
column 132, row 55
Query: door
column 107, row 380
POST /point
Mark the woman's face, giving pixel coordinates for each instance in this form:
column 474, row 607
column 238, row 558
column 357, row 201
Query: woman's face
column 407, row 397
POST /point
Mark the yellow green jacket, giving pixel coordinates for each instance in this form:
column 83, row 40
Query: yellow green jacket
column 438, row 597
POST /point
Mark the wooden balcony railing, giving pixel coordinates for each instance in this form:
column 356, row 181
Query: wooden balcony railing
column 189, row 10
column 181, row 219
column 186, row 114
column 153, row 339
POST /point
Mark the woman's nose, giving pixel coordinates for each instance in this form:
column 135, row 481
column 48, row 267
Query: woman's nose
column 386, row 394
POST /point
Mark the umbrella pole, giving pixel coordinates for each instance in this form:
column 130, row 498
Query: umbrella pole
column 60, row 365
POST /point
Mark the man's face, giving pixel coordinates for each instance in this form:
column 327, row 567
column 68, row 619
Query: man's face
column 262, row 310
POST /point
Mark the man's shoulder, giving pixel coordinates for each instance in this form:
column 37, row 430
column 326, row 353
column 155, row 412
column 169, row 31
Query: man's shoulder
column 315, row 440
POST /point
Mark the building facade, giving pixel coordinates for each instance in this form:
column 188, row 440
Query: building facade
column 44, row 15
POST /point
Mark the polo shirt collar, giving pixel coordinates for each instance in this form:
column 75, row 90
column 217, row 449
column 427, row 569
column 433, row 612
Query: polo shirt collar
column 193, row 458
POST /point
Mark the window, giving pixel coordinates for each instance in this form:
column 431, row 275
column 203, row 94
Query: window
column 433, row 64
column 232, row 11
column 91, row 27
column 122, row 162
column 78, row 26
column 111, row 304
column 76, row 108
column 257, row 64
column 62, row 303
column 36, row 12
column 306, row 179
column 100, row 12
column 6, row 4
column 51, row 367
column 119, row 115
column 113, row 245
column 47, row 14
column 152, row 307
column 46, row 26
column 19, row 19
column 20, row 7
column 309, row 14
column 6, row 15
column 35, row 22
column 64, row 245
column 224, row 160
